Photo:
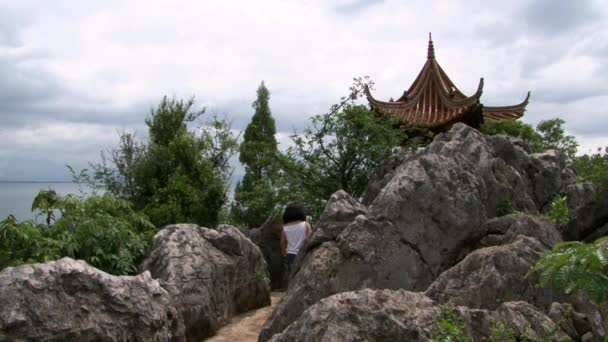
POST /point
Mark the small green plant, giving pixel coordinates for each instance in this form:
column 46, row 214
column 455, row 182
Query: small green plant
column 504, row 208
column 500, row 332
column 574, row 265
column 450, row 327
column 558, row 212
column 261, row 275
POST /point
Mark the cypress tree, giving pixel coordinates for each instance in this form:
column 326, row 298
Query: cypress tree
column 254, row 195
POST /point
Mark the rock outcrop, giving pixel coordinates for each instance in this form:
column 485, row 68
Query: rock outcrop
column 588, row 211
column 399, row 315
column 68, row 300
column 267, row 238
column 211, row 275
column 434, row 227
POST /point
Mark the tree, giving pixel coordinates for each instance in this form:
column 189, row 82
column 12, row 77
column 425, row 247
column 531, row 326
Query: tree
column 179, row 175
column 259, row 147
column 593, row 168
column 338, row 151
column 514, row 128
column 554, row 137
column 549, row 135
column 254, row 196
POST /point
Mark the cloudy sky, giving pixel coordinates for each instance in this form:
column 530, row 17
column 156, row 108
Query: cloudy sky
column 75, row 73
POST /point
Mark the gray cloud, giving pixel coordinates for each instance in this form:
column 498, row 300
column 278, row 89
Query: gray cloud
column 354, row 6
column 69, row 68
column 550, row 18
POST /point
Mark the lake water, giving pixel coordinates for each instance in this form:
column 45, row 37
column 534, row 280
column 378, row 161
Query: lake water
column 17, row 198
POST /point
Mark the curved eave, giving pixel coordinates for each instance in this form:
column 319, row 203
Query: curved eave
column 419, row 111
column 506, row 112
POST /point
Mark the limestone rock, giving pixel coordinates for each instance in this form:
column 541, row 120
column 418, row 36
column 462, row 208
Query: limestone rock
column 211, row 275
column 399, row 315
column 68, row 300
column 505, row 229
column 588, row 211
column 490, row 276
column 434, row 205
column 382, row 175
column 267, row 238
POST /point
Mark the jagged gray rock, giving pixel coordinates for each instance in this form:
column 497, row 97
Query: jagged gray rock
column 505, row 229
column 588, row 211
column 490, row 276
column 267, row 238
column 211, row 275
column 434, row 206
column 68, row 300
column 398, row 315
column 382, row 175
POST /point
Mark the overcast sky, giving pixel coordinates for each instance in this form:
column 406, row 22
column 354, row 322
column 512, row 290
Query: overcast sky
column 75, row 73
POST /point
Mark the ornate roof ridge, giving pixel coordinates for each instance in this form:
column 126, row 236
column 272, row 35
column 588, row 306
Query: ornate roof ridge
column 434, row 100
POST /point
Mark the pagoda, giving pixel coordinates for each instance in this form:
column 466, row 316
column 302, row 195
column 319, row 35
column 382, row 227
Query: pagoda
column 434, row 102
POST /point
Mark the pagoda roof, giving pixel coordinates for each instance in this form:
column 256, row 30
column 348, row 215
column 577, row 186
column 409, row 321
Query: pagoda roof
column 433, row 100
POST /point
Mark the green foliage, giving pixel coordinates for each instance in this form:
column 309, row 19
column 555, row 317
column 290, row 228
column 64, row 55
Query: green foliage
column 338, row 151
column 593, row 168
column 259, row 147
column 103, row 230
column 549, row 134
column 572, row 266
column 500, row 332
column 45, row 202
column 554, row 138
column 558, row 210
column 255, row 195
column 504, row 208
column 450, row 327
column 514, row 128
column 179, row 175
column 254, row 200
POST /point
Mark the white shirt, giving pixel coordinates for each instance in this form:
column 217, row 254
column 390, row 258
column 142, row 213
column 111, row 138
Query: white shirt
column 295, row 235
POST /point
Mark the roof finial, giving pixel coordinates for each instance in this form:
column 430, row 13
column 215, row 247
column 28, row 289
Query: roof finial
column 431, row 53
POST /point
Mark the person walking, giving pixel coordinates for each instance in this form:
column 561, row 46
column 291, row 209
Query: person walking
column 294, row 233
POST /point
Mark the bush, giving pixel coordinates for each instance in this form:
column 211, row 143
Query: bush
column 549, row 135
column 500, row 332
column 450, row 327
column 558, row 210
column 593, row 168
column 102, row 230
column 515, row 129
column 572, row 266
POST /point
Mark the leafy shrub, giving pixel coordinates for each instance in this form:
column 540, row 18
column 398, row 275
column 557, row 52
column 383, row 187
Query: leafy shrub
column 504, row 208
column 572, row 266
column 549, row 135
column 500, row 332
column 558, row 210
column 102, row 230
column 514, row 128
column 593, row 168
column 450, row 327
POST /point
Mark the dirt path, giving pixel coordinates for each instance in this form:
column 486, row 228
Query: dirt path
column 246, row 327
